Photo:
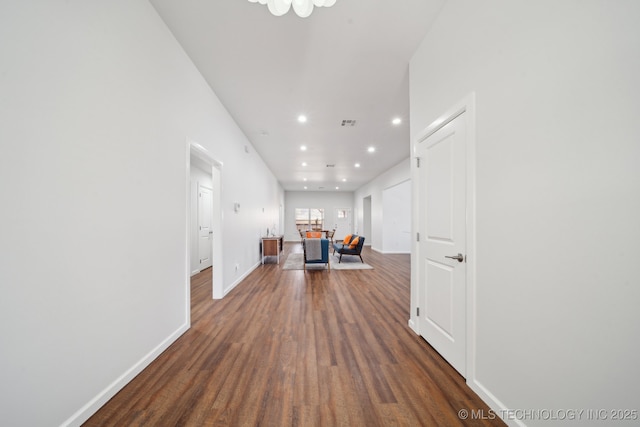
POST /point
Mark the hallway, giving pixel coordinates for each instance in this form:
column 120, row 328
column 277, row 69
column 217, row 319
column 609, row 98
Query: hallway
column 289, row 348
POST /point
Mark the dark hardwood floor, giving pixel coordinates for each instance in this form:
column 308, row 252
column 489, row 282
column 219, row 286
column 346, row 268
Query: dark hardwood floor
column 289, row 348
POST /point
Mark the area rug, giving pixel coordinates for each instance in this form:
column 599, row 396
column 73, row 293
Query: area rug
column 349, row 262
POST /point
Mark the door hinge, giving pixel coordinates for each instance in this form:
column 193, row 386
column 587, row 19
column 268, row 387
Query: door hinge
column 418, row 311
column 417, row 237
column 418, row 161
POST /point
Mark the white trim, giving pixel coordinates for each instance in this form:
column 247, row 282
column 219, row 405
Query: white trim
column 442, row 121
column 470, row 106
column 187, row 261
column 202, row 153
column 103, row 397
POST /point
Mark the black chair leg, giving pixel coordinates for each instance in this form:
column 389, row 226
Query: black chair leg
column 340, row 259
column 361, row 258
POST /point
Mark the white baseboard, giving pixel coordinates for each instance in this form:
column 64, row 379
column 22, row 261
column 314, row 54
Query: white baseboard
column 103, row 397
column 412, row 326
column 241, row 278
column 493, row 402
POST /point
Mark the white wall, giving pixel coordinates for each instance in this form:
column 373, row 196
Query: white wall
column 558, row 185
column 96, row 101
column 327, row 200
column 375, row 188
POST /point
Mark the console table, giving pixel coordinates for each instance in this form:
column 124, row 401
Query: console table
column 272, row 246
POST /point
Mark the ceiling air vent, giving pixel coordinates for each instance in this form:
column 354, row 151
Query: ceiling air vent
column 331, row 166
column 348, row 123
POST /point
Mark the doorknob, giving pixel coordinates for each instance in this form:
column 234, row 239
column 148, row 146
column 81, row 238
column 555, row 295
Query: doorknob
column 459, row 257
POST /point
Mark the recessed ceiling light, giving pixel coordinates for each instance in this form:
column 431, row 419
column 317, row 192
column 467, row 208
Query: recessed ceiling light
column 337, row 188
column 303, row 148
column 396, row 121
column 357, row 165
column 304, row 179
column 344, row 179
column 302, row 118
column 371, row 149
column 304, row 163
column 305, row 187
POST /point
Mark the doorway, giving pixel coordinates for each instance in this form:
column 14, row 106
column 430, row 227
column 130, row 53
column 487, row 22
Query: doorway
column 204, row 214
column 366, row 221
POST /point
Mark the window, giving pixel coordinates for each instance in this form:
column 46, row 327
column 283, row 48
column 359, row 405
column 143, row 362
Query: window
column 309, row 219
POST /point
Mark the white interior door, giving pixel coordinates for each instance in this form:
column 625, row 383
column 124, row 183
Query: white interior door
column 205, row 230
column 442, row 207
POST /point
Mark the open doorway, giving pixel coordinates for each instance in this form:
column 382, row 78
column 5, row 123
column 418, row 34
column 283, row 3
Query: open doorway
column 204, row 213
column 201, row 216
column 366, row 220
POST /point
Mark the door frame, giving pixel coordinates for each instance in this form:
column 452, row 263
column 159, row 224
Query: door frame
column 466, row 106
column 217, row 286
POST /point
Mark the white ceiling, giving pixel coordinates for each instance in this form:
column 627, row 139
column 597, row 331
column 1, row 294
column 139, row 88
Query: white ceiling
column 349, row 61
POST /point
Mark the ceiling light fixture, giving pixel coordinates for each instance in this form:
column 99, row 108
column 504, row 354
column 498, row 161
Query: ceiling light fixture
column 303, row 148
column 357, row 165
column 302, row 118
column 371, row 149
column 304, row 163
column 396, row 121
column 302, row 8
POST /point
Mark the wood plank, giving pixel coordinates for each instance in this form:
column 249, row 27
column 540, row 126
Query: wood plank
column 295, row 348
